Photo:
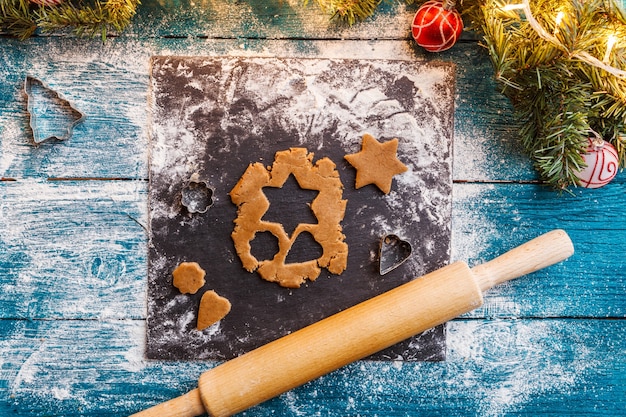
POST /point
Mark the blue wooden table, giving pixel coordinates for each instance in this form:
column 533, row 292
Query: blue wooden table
column 73, row 242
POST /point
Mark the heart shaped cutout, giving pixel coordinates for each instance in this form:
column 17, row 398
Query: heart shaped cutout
column 393, row 253
column 213, row 308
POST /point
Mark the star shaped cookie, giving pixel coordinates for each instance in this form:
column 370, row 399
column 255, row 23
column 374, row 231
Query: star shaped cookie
column 376, row 163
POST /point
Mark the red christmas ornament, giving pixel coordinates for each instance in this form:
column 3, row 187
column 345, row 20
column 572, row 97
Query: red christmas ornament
column 437, row 26
column 602, row 163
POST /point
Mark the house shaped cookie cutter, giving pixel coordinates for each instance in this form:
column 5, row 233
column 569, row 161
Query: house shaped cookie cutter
column 76, row 115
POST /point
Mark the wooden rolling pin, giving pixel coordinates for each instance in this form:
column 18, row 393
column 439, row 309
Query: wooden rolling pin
column 358, row 332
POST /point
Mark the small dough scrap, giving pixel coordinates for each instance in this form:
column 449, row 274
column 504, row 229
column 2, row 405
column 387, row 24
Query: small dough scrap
column 188, row 277
column 376, row 163
column 213, row 308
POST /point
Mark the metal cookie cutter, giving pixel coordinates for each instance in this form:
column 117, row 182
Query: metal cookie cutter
column 70, row 116
column 393, row 253
column 197, row 196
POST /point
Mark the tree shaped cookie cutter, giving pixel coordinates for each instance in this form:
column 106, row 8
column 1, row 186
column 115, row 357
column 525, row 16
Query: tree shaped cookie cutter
column 65, row 106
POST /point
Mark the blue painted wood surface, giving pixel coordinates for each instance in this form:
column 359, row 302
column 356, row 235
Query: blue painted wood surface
column 73, row 239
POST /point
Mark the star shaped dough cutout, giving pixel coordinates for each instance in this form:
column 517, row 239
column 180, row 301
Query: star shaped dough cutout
column 376, row 163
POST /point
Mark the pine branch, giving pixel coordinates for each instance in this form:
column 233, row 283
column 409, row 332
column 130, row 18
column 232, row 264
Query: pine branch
column 83, row 20
column 120, row 12
column 558, row 80
column 22, row 19
column 350, row 11
column 16, row 19
column 89, row 20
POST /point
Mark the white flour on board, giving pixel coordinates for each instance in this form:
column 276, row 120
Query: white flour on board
column 212, row 116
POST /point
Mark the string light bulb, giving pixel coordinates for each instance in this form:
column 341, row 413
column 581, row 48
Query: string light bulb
column 547, row 36
column 512, row 6
column 610, row 43
column 557, row 22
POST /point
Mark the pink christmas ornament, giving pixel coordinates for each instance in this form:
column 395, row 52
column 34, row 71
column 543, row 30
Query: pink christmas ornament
column 437, row 26
column 602, row 163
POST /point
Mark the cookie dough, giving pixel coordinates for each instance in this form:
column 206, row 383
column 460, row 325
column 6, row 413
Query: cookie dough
column 213, row 308
column 328, row 208
column 188, row 277
column 376, row 163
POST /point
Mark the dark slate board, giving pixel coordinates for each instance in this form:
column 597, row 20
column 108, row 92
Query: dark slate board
column 211, row 117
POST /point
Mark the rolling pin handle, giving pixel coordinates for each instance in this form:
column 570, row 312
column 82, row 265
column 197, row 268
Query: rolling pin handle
column 543, row 251
column 187, row 405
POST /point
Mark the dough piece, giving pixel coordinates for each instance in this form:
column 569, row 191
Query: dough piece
column 188, row 277
column 212, row 309
column 328, row 208
column 376, row 163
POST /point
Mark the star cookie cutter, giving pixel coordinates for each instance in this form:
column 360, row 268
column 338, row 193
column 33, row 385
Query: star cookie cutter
column 71, row 113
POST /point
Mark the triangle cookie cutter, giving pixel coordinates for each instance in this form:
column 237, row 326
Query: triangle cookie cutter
column 76, row 115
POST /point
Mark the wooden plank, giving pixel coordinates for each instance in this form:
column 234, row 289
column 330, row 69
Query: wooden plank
column 494, row 367
column 275, row 19
column 77, row 249
column 489, row 218
column 74, row 250
column 110, row 82
column 282, row 19
column 111, row 92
